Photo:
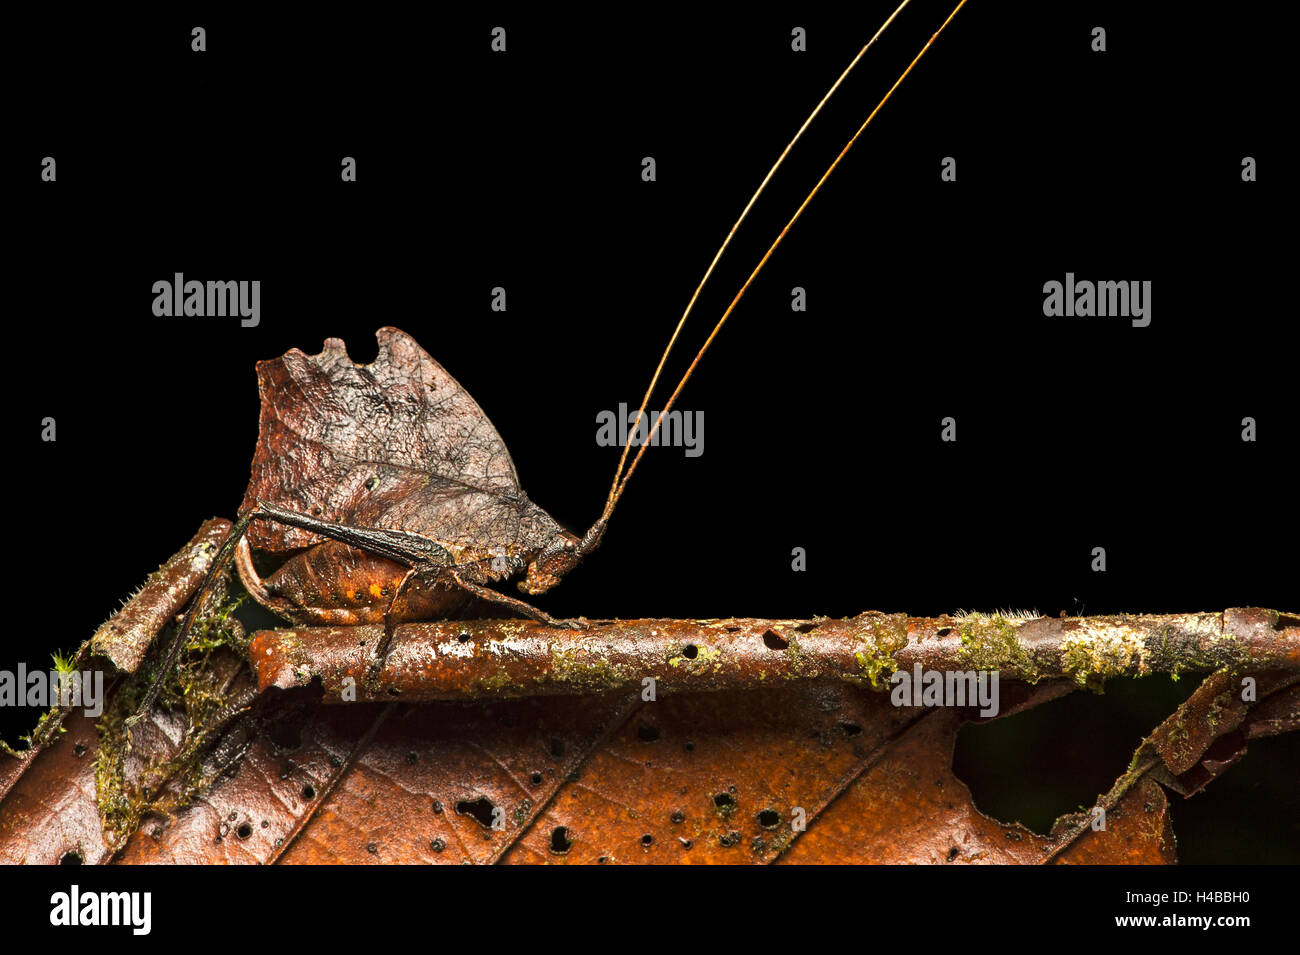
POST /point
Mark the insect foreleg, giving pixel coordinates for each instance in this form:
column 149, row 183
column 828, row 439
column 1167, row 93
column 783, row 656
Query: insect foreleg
column 514, row 603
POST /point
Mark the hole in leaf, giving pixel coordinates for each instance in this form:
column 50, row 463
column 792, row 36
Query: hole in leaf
column 725, row 801
column 774, row 641
column 71, row 858
column 535, row 779
column 690, row 651
column 244, row 831
column 309, row 792
column 560, row 841
column 647, row 733
column 850, row 729
column 1055, row 758
column 647, row 840
column 286, row 733
column 769, row 818
column 480, row 808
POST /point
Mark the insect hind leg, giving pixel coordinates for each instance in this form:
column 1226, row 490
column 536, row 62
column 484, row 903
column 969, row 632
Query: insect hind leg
column 402, row 546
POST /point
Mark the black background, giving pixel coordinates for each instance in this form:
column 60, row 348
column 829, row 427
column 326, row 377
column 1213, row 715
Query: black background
column 822, row 429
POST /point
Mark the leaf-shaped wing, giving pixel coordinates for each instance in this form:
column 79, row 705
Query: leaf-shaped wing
column 397, row 444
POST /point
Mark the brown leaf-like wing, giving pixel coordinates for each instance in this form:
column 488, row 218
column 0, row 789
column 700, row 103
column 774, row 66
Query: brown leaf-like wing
column 397, row 444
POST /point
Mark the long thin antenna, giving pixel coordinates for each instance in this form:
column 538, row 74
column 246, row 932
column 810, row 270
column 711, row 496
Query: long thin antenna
column 618, row 490
column 654, row 380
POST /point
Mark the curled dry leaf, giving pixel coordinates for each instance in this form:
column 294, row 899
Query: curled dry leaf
column 126, row 636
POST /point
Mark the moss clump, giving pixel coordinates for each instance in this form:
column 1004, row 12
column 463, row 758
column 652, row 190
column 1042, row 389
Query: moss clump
column 993, row 643
column 585, row 671
column 201, row 694
column 50, row 724
column 1091, row 656
column 880, row 641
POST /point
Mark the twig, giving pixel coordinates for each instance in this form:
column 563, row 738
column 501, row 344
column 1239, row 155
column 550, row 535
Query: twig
column 491, row 659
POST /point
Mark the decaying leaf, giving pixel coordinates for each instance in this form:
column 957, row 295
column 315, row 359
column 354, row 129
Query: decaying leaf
column 125, row 637
column 816, row 768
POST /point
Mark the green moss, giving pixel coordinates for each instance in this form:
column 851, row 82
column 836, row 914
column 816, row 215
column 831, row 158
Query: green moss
column 586, row 671
column 993, row 643
column 166, row 784
column 64, row 664
column 704, row 655
column 1091, row 655
column 880, row 641
column 49, row 725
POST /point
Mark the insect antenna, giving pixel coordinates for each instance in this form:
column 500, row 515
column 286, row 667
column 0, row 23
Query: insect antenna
column 620, row 478
column 615, row 490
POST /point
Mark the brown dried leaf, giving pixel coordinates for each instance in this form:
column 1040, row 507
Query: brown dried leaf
column 708, row 777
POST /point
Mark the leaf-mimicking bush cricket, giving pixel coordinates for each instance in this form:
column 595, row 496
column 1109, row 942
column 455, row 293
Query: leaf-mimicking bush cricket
column 390, row 484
